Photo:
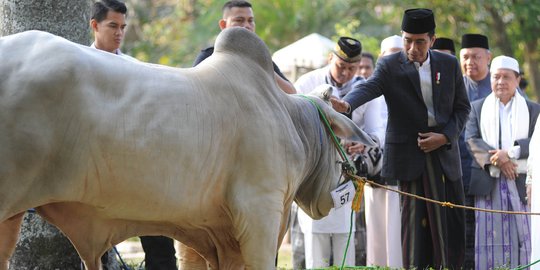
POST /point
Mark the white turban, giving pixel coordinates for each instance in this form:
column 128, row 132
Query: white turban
column 504, row 62
column 391, row 42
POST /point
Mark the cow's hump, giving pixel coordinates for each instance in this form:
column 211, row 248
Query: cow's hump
column 240, row 41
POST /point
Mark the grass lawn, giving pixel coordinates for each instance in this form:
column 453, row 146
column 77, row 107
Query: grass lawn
column 285, row 258
column 134, row 257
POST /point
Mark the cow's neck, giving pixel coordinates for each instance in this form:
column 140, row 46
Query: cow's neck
column 321, row 171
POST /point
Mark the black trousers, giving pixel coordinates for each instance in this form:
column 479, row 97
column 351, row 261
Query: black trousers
column 159, row 253
column 432, row 235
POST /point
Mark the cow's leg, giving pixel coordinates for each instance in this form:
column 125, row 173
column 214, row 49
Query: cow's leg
column 86, row 231
column 9, row 234
column 92, row 264
column 259, row 239
column 259, row 231
column 260, row 249
column 204, row 257
column 190, row 259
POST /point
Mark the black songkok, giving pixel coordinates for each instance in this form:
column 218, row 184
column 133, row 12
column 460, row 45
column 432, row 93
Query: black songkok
column 474, row 41
column 418, row 21
column 444, row 44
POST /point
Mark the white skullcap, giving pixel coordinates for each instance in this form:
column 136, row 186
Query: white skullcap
column 391, row 42
column 504, row 62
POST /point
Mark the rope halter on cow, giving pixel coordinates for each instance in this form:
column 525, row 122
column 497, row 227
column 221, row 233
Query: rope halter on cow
column 347, row 171
column 347, row 168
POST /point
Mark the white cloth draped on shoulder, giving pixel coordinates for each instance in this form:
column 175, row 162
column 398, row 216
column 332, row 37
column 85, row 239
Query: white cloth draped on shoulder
column 490, row 123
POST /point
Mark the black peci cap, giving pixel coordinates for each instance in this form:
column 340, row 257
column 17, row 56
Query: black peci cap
column 474, row 41
column 418, row 21
column 442, row 43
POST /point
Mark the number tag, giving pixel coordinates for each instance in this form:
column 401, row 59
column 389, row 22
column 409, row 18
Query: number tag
column 343, row 194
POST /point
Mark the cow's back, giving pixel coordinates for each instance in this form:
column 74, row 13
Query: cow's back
column 212, row 156
column 90, row 126
column 31, row 99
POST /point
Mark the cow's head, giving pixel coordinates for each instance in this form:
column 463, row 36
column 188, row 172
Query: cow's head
column 313, row 195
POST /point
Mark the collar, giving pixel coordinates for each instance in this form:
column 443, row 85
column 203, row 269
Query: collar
column 485, row 80
column 117, row 51
column 329, row 80
column 509, row 104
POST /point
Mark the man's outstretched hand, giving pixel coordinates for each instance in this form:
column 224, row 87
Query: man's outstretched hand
column 340, row 105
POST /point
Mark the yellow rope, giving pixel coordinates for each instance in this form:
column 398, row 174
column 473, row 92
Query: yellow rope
column 357, row 202
column 363, row 180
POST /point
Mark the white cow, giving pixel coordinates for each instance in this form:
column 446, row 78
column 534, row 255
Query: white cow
column 107, row 149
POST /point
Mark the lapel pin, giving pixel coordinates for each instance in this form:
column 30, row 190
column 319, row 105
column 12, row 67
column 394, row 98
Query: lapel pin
column 438, row 78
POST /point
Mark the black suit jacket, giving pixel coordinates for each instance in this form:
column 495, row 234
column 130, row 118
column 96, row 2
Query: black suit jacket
column 481, row 182
column 398, row 80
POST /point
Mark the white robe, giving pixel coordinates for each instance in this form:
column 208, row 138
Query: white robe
column 338, row 220
column 382, row 209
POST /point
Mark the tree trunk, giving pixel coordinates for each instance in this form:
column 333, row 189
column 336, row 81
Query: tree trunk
column 41, row 245
column 532, row 58
column 65, row 18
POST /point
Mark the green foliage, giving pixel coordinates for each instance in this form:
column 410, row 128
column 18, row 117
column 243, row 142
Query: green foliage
column 172, row 32
column 369, row 43
column 286, row 20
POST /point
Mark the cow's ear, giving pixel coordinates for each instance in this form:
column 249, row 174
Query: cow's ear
column 345, row 128
column 324, row 92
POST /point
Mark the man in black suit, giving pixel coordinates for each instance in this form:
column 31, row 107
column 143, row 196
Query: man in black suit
column 427, row 110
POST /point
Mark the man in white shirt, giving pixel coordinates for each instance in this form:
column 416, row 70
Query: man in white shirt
column 327, row 237
column 108, row 22
column 383, row 218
